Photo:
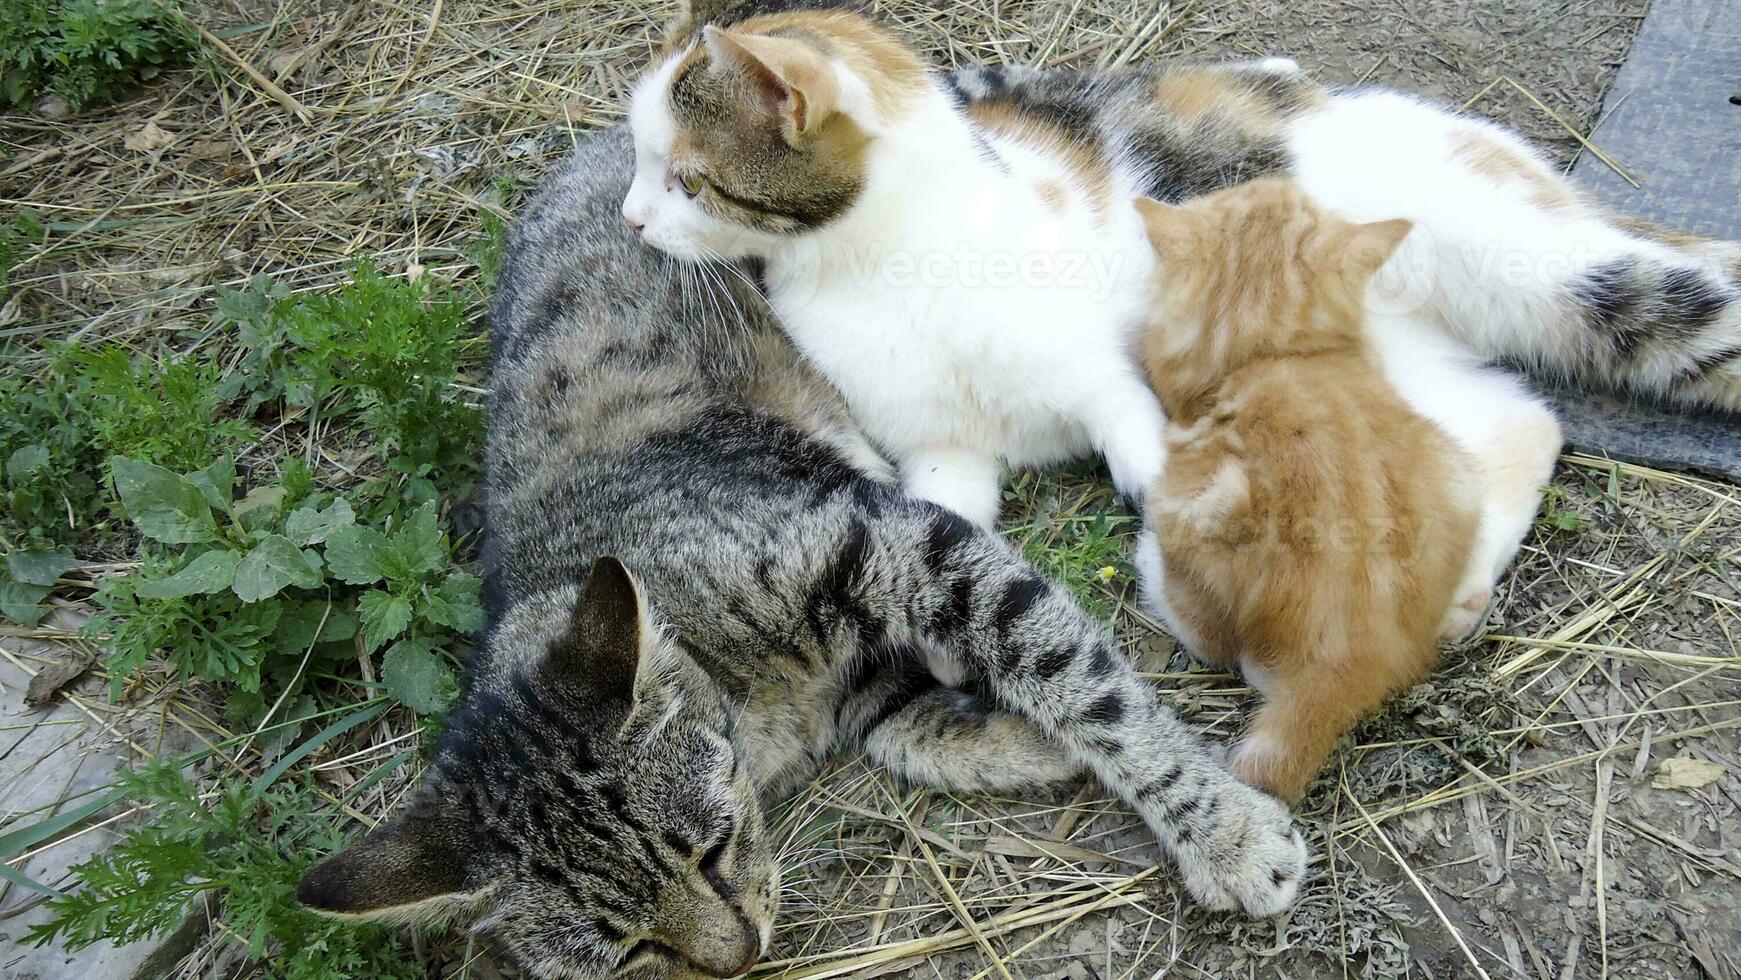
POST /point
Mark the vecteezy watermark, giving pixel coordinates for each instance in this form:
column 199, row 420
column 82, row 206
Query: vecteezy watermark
column 1092, row 273
column 1479, row 279
column 1373, row 535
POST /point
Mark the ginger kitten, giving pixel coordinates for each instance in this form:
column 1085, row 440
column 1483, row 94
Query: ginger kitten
column 1312, row 527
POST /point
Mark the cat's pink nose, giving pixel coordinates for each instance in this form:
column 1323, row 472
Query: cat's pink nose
column 636, row 226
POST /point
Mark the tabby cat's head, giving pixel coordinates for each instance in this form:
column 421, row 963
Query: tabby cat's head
column 759, row 121
column 587, row 805
column 1258, row 270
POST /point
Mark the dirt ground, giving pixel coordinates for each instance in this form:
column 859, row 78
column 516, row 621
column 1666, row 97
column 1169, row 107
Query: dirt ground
column 1504, row 820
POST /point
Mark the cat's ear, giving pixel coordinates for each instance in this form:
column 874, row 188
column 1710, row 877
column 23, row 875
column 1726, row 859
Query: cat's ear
column 791, row 80
column 606, row 633
column 1371, row 245
column 411, row 868
column 1172, row 230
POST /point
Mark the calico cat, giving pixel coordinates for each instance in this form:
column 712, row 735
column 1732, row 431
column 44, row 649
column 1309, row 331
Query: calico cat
column 1508, row 260
column 1314, row 527
column 877, row 195
column 968, row 277
column 596, row 798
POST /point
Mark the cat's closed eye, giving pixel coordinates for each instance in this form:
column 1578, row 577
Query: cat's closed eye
column 710, row 859
column 644, row 953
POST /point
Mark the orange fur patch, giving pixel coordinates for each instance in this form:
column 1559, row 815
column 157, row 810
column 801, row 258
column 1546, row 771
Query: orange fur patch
column 1053, row 195
column 1504, row 164
column 1314, row 527
column 1651, row 231
column 895, row 74
column 1190, row 94
column 1011, row 122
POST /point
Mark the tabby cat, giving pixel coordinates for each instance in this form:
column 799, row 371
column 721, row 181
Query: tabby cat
column 879, row 197
column 1314, row 527
column 596, row 798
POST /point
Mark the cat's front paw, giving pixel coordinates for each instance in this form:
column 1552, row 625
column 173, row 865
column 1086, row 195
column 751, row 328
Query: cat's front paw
column 1134, row 474
column 1255, row 861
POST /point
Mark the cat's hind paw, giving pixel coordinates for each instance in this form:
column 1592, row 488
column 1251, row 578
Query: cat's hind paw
column 1465, row 615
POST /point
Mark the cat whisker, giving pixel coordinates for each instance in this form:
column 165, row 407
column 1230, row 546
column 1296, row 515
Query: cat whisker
column 710, row 282
column 729, row 294
column 716, row 263
column 734, row 269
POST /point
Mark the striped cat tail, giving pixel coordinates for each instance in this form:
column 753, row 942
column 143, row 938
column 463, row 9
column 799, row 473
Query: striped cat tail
column 1664, row 323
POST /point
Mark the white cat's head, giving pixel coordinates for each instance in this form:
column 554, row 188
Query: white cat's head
column 753, row 130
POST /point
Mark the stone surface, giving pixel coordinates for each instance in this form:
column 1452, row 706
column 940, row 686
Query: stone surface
column 49, row 755
column 1671, row 120
column 1639, row 432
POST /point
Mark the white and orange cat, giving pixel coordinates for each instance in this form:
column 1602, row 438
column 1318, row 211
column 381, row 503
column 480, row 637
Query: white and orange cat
column 1314, row 528
column 957, row 253
column 969, row 279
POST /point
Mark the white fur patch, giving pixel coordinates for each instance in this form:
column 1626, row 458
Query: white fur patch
column 668, row 218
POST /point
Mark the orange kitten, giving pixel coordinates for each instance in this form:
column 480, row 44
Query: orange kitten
column 1311, row 527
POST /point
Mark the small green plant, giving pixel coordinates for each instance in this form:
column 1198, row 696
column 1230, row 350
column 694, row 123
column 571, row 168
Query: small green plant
column 86, row 51
column 1082, row 544
column 1087, row 554
column 1558, row 513
column 173, row 414
column 28, row 578
column 247, row 845
column 58, row 424
column 382, row 348
column 264, row 373
column 263, row 586
column 48, row 459
column 486, row 252
column 413, row 600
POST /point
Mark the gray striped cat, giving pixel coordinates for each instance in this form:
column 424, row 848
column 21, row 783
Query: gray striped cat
column 596, row 799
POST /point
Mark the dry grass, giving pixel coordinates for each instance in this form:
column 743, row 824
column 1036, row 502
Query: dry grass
column 1499, row 822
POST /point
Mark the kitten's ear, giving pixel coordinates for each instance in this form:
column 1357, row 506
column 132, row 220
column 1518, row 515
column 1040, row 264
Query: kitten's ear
column 791, row 79
column 606, row 631
column 411, row 868
column 1170, row 228
column 1370, row 246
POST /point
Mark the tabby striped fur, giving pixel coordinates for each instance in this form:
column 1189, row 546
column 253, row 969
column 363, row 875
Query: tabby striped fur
column 662, row 419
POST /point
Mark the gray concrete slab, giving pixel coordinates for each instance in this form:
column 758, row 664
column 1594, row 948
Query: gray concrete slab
column 1634, row 432
column 50, row 755
column 1672, row 121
